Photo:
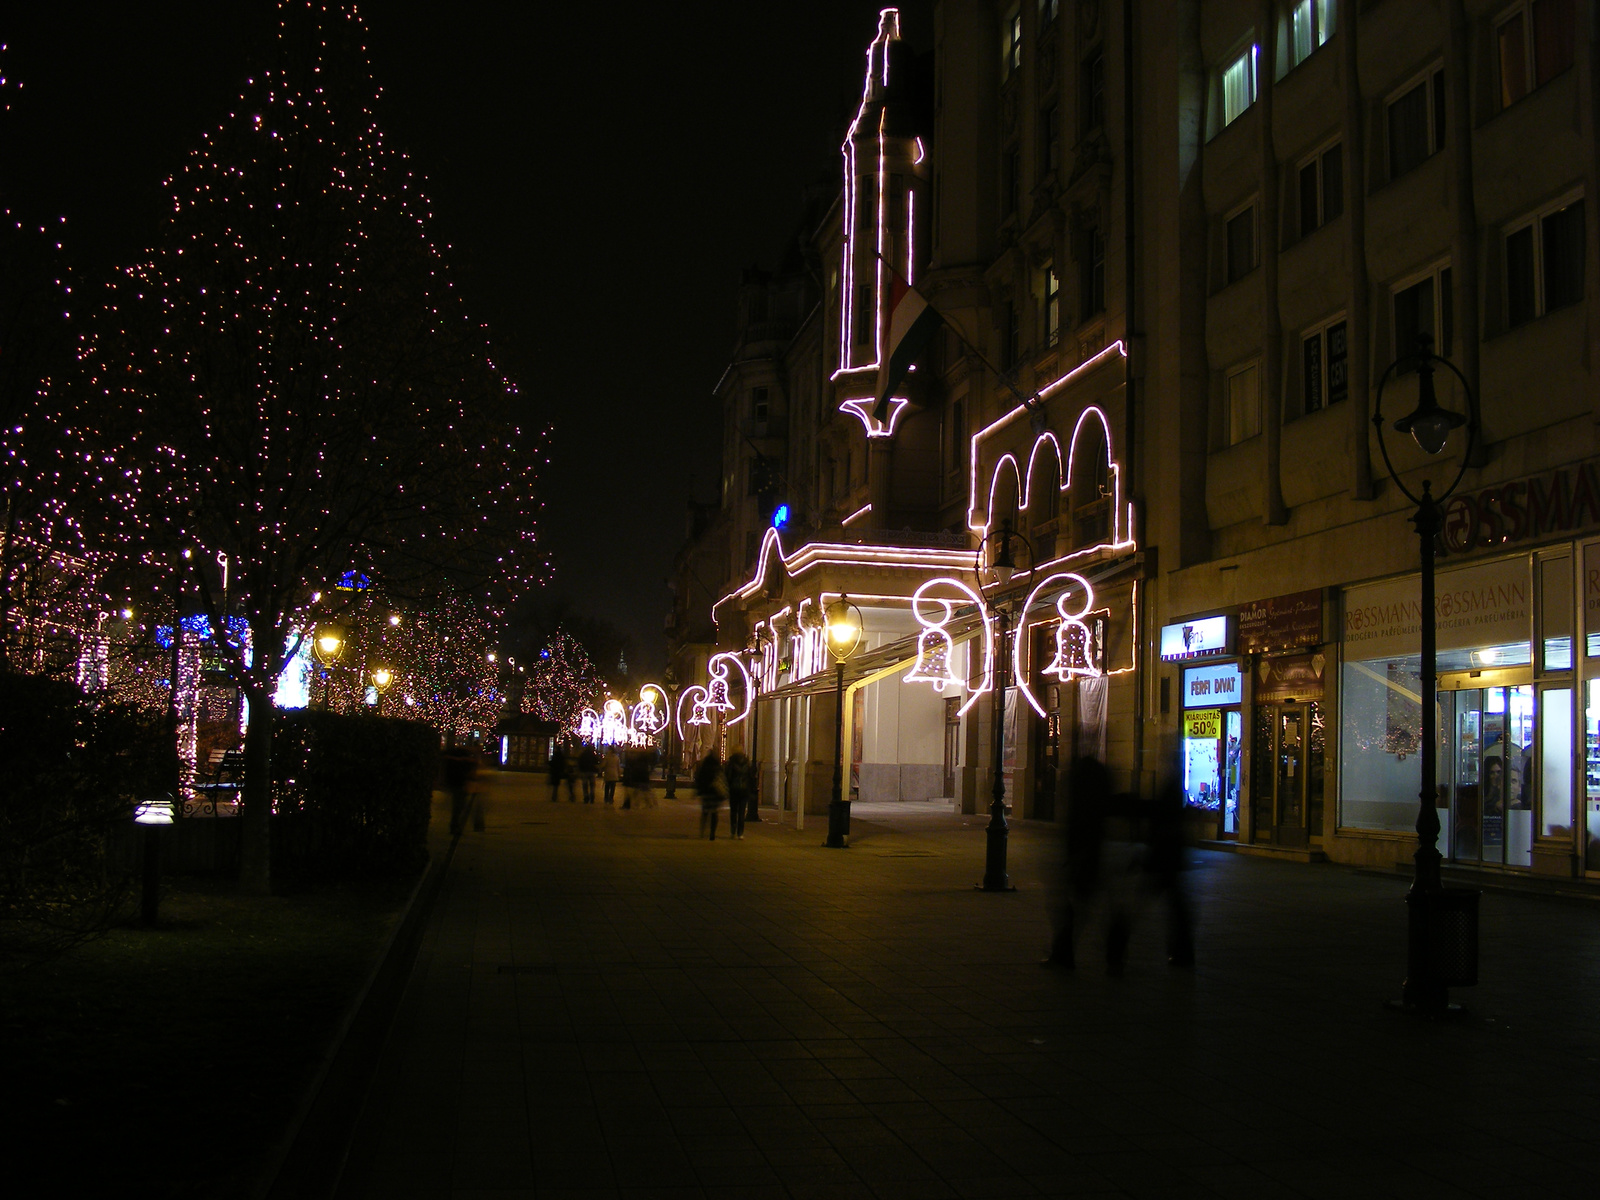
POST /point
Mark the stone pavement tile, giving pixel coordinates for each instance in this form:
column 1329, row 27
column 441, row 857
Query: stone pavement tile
column 571, row 1171
column 876, row 1091
column 412, row 1170
column 877, row 1164
column 913, row 1189
column 855, row 1129
column 995, row 1187
column 493, row 1194
column 774, row 1191
column 843, row 1190
column 493, row 1170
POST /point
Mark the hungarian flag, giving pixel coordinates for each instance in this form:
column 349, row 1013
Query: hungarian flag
column 912, row 322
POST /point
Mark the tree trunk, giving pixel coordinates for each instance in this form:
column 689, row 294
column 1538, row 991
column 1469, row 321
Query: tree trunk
column 255, row 832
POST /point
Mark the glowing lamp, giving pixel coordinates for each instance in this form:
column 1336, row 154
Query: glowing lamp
column 1429, row 424
column 934, row 653
column 382, row 677
column 844, row 628
column 158, row 811
column 327, row 644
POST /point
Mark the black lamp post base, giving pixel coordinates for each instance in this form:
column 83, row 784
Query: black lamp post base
column 838, row 825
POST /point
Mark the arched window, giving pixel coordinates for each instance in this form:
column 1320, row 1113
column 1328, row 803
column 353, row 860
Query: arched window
column 1044, row 496
column 1090, row 486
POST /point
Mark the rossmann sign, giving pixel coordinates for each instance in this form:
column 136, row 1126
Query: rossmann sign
column 1559, row 501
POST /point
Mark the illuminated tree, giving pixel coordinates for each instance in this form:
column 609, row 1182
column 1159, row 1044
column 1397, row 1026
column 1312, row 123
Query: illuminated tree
column 561, row 681
column 289, row 378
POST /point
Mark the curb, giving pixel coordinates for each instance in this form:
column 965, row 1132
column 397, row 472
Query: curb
column 308, row 1160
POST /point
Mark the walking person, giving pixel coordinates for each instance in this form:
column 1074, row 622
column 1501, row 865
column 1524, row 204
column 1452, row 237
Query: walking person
column 588, row 768
column 460, row 766
column 557, row 771
column 738, row 773
column 611, row 772
column 712, row 788
column 1088, row 799
column 1163, row 864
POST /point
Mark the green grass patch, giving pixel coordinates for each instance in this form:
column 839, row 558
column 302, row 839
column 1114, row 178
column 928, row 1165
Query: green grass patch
column 168, row 1062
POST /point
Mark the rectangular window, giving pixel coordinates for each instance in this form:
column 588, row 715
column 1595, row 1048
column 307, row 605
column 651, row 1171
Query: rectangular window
column 1244, row 404
column 1534, row 44
column 1311, row 27
column 1052, row 307
column 1094, row 273
column 1050, row 139
column 1012, row 332
column 1544, row 263
column 1239, row 85
column 1324, row 366
column 1011, row 43
column 1049, row 10
column 1416, row 124
column 1012, row 182
column 863, row 314
column 1092, row 92
column 1241, row 244
column 1321, row 189
column 758, row 405
column 1425, row 306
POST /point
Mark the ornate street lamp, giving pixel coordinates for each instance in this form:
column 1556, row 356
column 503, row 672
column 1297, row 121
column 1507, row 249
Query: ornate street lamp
column 327, row 644
column 669, row 680
column 844, row 638
column 382, row 677
column 994, row 578
column 1441, row 926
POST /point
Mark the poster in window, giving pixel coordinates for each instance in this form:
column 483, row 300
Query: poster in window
column 1338, row 363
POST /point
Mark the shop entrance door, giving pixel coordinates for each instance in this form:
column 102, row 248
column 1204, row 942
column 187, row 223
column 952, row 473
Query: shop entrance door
column 1287, row 792
column 1488, row 773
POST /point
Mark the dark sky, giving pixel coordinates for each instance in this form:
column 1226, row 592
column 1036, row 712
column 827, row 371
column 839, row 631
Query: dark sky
column 601, row 172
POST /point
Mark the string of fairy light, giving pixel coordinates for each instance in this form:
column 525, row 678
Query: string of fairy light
column 290, row 377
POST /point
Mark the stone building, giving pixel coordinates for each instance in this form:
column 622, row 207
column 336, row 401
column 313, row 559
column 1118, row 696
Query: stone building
column 1177, row 248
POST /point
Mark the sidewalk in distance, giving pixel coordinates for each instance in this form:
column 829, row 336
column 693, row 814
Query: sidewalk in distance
column 605, row 1005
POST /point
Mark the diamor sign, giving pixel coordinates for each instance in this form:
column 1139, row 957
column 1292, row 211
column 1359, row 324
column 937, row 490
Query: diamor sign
column 1281, row 622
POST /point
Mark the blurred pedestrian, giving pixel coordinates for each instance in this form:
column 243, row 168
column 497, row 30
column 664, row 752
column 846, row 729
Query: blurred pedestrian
column 636, row 779
column 557, row 771
column 1088, row 802
column 1163, row 864
column 611, row 772
column 711, row 786
column 460, row 768
column 588, row 768
column 739, row 775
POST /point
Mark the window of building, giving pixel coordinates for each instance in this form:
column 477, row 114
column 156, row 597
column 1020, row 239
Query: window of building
column 1239, row 84
column 1241, row 243
column 752, row 544
column 1321, row 188
column 1324, row 366
column 1011, row 42
column 1049, row 10
column 758, row 405
column 1094, row 273
column 1012, row 182
column 1011, row 337
column 1244, row 403
column 1052, row 307
column 1534, row 42
column 1310, row 26
column 1416, row 123
column 1050, row 139
column 958, row 438
column 1092, row 91
column 1424, row 305
column 863, row 315
column 1544, row 262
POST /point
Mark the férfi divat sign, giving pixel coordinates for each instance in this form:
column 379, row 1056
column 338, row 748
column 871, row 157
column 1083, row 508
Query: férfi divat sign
column 1487, row 605
column 1207, row 687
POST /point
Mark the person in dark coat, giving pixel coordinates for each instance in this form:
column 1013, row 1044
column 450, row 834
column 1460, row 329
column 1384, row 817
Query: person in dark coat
column 1088, row 802
column 1163, row 864
column 557, row 771
column 588, row 768
column 460, row 768
column 740, row 775
column 712, row 788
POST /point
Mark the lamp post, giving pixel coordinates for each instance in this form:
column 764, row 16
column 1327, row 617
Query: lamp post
column 844, row 637
column 1427, row 980
column 754, row 655
column 382, row 677
column 999, row 572
column 152, row 816
column 327, row 644
column 669, row 680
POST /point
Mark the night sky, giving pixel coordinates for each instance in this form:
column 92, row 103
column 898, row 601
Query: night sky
column 601, row 174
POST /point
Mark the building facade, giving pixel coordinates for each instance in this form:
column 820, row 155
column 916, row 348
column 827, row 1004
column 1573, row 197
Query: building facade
column 1180, row 252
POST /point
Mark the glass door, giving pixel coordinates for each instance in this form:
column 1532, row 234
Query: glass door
column 1291, row 782
column 1489, row 773
column 1233, row 739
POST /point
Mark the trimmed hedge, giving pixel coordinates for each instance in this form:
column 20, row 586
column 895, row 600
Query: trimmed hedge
column 351, row 794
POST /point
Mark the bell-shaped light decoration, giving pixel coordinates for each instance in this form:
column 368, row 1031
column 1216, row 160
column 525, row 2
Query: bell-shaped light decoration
column 717, row 694
column 935, row 652
column 697, row 715
column 1074, row 651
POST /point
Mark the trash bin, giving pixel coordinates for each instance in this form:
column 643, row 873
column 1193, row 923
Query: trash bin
column 1453, row 936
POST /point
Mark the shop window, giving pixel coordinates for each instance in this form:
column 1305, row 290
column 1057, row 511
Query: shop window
column 1244, row 403
column 1321, row 188
column 1544, row 263
column 1310, row 26
column 1324, row 366
column 1416, row 123
column 1591, row 798
column 1555, row 613
column 1238, row 84
column 1534, row 44
column 1555, row 762
column 1424, row 305
column 1241, row 242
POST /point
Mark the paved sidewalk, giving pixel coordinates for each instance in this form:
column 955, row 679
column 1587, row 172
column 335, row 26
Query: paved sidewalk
column 607, row 1006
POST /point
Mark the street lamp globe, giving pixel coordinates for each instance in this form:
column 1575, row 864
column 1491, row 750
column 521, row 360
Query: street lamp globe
column 1429, row 424
column 844, row 628
column 843, row 623
column 327, row 644
column 382, row 677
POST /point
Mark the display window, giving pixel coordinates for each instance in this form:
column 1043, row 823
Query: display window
column 1213, row 732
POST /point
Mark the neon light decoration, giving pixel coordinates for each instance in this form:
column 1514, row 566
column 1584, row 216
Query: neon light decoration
column 780, row 516
column 1075, row 651
column 648, row 719
column 936, row 639
column 717, row 689
column 694, row 697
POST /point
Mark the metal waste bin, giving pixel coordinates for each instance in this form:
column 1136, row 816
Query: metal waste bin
column 1453, row 921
